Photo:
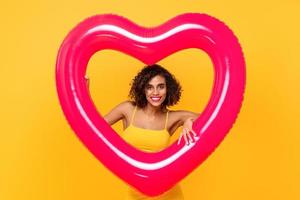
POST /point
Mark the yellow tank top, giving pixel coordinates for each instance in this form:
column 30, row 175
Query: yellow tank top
column 146, row 139
column 149, row 141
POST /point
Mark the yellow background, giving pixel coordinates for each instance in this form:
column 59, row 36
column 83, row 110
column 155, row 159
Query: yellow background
column 41, row 158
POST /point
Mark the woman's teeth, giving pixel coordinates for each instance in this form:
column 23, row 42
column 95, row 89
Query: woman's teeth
column 155, row 98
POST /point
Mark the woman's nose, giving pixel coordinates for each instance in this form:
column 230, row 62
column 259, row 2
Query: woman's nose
column 155, row 91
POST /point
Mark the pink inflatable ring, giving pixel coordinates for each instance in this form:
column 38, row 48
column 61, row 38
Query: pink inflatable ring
column 151, row 173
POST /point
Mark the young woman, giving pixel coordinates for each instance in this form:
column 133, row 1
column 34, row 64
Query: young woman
column 147, row 121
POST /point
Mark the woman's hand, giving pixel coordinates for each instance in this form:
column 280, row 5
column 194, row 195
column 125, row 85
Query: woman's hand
column 188, row 133
column 87, row 80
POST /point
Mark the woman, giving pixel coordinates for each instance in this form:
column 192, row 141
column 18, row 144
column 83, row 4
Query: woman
column 148, row 123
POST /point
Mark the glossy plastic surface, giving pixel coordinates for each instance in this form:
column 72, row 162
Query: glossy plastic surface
column 151, row 173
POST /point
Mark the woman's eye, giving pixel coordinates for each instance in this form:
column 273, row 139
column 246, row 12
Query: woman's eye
column 161, row 86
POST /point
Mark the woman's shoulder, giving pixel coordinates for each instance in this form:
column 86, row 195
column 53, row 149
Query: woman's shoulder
column 126, row 106
column 127, row 103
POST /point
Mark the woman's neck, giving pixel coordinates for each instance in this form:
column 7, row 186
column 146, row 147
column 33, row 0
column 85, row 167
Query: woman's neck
column 152, row 110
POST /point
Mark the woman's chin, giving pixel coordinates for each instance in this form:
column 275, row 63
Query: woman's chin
column 154, row 104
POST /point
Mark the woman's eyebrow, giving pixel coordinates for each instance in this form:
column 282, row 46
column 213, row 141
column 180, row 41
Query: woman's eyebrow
column 148, row 84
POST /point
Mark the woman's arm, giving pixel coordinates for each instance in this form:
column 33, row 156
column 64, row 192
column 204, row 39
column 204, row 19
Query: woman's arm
column 187, row 115
column 117, row 113
column 179, row 117
column 87, row 81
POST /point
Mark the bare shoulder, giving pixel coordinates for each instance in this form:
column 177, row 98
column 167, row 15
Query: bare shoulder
column 119, row 112
column 125, row 107
column 126, row 104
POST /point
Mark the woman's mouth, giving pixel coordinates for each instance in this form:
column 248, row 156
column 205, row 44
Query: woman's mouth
column 155, row 99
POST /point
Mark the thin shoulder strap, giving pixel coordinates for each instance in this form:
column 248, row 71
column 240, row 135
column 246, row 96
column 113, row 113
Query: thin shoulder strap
column 132, row 116
column 166, row 120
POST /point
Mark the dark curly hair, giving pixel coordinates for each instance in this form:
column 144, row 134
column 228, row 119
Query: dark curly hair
column 137, row 91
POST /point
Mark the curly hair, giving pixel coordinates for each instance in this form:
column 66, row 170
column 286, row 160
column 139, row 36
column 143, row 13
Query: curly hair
column 137, row 91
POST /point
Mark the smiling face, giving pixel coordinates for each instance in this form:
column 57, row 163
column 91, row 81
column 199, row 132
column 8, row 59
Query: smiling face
column 155, row 81
column 156, row 91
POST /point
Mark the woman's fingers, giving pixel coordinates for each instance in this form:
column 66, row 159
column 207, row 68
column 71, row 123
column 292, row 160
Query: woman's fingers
column 188, row 136
column 195, row 134
column 180, row 137
column 185, row 137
